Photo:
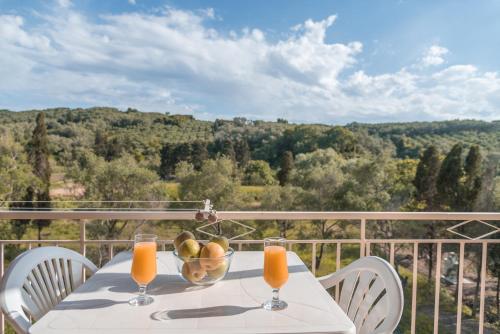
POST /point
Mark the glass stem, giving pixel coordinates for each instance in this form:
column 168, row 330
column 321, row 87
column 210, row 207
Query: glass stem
column 276, row 296
column 142, row 291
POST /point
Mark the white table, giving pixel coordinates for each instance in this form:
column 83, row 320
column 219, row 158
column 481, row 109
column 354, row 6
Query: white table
column 230, row 306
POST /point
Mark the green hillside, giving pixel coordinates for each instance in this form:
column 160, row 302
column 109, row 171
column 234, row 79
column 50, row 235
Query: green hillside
column 143, row 134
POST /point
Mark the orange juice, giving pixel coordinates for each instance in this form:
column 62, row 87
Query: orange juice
column 275, row 266
column 144, row 262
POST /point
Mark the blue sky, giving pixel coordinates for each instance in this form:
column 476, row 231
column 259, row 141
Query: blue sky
column 307, row 61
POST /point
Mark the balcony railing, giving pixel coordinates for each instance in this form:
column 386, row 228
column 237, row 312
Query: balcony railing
column 386, row 247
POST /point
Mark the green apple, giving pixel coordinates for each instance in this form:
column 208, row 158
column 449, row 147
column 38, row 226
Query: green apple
column 192, row 271
column 221, row 241
column 189, row 249
column 181, row 237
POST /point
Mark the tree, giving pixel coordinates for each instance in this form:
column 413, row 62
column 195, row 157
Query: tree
column 182, row 152
column 471, row 191
column 342, row 140
column 199, row 153
column 426, row 178
column 121, row 179
column 473, row 178
column 426, row 197
column 167, row 162
column 286, row 198
column 448, row 183
column 19, row 226
column 15, row 173
column 227, row 149
column 286, row 168
column 171, row 155
column 101, row 143
column 242, row 152
column 38, row 152
column 259, row 173
column 215, row 181
column 320, row 174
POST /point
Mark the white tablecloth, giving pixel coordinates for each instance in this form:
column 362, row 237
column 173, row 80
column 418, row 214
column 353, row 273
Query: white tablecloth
column 230, row 306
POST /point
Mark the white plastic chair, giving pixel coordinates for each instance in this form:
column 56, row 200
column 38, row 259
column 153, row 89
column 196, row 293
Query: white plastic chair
column 37, row 280
column 371, row 294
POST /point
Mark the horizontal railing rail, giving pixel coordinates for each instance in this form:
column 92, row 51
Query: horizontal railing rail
column 366, row 244
column 246, row 215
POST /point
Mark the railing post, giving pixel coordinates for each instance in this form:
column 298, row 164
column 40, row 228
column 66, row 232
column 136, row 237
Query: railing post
column 362, row 237
column 313, row 259
column 460, row 288
column 83, row 237
column 437, row 290
column 337, row 267
column 484, row 255
column 391, row 253
column 414, row 288
column 2, row 264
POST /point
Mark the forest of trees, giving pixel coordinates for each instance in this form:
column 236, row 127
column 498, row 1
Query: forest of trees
column 103, row 154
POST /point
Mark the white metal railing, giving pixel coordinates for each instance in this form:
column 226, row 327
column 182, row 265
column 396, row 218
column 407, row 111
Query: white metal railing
column 366, row 245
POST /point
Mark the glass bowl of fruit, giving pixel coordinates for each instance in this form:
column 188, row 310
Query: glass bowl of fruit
column 202, row 264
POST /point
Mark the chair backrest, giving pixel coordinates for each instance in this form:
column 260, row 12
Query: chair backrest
column 370, row 294
column 37, row 280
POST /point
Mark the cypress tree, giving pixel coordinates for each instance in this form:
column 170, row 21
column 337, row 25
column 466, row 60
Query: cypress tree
column 426, row 192
column 182, row 152
column 448, row 183
column 426, row 177
column 286, row 168
column 471, row 191
column 38, row 150
column 473, row 178
column 101, row 144
column 114, row 148
column 199, row 153
column 227, row 149
column 242, row 152
column 167, row 163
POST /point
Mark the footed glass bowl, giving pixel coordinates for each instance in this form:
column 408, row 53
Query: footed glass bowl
column 204, row 271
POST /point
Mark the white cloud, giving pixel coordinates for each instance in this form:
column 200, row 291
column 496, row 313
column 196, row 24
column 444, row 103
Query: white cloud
column 132, row 2
column 64, row 3
column 434, row 56
column 173, row 61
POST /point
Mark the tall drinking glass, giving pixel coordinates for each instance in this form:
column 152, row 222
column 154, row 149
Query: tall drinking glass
column 275, row 271
column 143, row 267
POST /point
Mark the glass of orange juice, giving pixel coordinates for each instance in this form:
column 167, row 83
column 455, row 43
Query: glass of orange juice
column 143, row 267
column 275, row 271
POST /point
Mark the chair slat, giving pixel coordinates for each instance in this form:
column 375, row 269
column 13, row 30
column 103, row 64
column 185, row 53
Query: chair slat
column 29, row 305
column 375, row 290
column 55, row 280
column 44, row 307
column 76, row 274
column 43, row 286
column 33, row 296
column 376, row 315
column 347, row 290
column 359, row 295
column 60, row 280
column 67, row 281
column 49, row 283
